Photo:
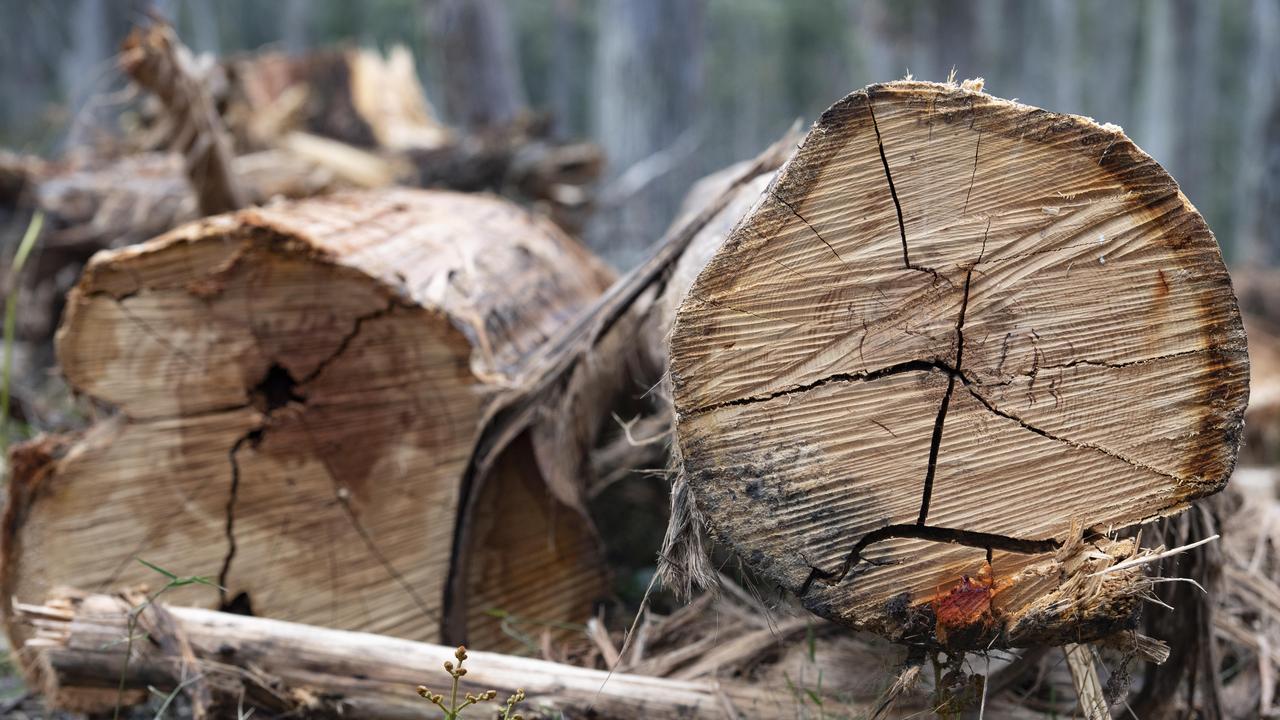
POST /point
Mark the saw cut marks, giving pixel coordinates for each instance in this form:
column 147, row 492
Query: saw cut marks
column 954, row 333
column 298, row 391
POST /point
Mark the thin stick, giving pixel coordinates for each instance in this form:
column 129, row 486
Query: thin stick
column 1134, row 562
column 1084, row 675
column 986, row 678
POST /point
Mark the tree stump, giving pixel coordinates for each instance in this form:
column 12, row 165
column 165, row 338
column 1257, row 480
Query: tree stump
column 957, row 345
column 297, row 393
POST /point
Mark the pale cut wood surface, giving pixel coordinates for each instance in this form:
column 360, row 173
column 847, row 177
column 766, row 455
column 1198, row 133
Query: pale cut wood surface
column 321, row 672
column 954, row 311
column 298, row 390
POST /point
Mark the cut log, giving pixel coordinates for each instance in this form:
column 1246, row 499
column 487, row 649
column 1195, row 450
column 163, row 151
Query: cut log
column 298, row 390
column 299, row 670
column 568, row 388
column 957, row 344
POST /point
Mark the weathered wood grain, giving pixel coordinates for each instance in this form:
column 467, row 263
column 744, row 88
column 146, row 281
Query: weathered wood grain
column 955, row 333
column 297, row 391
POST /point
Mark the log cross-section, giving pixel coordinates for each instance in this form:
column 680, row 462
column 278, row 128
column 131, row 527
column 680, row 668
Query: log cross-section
column 297, row 392
column 957, row 336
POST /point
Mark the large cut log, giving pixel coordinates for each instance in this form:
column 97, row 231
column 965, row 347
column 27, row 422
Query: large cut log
column 297, row 392
column 299, row 670
column 957, row 345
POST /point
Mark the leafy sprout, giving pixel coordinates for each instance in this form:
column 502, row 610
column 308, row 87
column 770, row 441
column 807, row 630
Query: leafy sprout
column 174, row 581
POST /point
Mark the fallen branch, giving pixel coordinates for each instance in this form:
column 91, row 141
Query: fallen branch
column 158, row 61
column 287, row 667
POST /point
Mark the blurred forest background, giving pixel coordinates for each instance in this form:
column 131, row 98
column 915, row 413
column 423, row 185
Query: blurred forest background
column 673, row 89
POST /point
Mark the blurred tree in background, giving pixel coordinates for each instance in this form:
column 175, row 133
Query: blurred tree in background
column 672, row 89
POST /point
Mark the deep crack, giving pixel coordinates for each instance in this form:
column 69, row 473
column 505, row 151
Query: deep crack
column 346, row 340
column 1126, row 363
column 253, row 437
column 893, row 193
column 934, row 444
column 954, row 536
column 920, row 529
column 277, row 389
column 896, row 369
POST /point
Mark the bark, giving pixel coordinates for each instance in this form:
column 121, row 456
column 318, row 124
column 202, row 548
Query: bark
column 297, row 392
column 285, row 668
column 568, row 388
column 955, row 338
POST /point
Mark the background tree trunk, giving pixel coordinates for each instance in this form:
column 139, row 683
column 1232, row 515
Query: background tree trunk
column 482, row 83
column 649, row 82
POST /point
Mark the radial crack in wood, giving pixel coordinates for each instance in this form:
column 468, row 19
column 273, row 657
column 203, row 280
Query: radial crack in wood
column 298, row 390
column 1011, row 327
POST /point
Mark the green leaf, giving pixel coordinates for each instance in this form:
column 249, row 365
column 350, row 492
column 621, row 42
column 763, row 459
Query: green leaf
column 175, row 581
column 158, row 569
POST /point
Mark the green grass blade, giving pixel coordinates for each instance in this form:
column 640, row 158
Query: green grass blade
column 11, row 319
column 158, row 569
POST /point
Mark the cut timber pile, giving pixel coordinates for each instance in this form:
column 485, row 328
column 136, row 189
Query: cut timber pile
column 298, row 392
column 957, row 344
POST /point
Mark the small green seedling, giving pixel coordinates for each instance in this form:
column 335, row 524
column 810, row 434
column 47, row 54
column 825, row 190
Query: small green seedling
column 453, row 710
column 11, row 318
column 174, row 581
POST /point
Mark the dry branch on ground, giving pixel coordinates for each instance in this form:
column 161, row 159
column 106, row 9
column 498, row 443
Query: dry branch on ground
column 285, row 667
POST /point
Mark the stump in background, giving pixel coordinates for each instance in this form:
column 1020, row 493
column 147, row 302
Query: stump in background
column 298, row 390
column 958, row 343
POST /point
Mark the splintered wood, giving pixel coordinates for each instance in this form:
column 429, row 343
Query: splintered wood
column 298, row 392
column 957, row 344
